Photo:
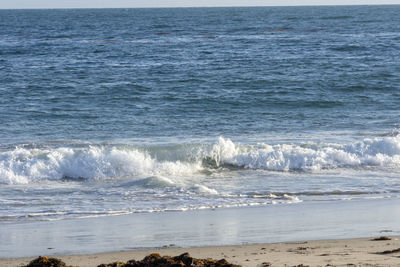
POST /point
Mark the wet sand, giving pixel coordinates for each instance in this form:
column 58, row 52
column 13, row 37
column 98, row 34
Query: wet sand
column 219, row 233
column 202, row 228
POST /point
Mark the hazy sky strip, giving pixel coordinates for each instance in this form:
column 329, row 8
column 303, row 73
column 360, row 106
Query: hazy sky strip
column 177, row 3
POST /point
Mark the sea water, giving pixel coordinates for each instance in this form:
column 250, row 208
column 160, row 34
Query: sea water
column 114, row 111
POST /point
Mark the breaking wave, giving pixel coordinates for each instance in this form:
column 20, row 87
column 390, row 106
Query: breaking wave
column 312, row 156
column 24, row 164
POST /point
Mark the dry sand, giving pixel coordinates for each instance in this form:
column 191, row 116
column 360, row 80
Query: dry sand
column 347, row 252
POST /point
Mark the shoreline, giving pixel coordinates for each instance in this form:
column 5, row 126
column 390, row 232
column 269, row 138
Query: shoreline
column 202, row 228
column 247, row 236
column 336, row 252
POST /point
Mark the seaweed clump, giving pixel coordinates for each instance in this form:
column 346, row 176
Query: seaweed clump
column 389, row 251
column 183, row 260
column 381, row 238
column 47, row 262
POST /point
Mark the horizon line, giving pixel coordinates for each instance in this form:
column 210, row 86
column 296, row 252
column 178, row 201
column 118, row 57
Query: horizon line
column 191, row 6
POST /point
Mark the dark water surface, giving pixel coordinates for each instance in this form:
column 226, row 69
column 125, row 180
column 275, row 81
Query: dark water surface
column 104, row 74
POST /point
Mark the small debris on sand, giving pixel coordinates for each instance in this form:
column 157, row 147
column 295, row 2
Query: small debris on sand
column 381, row 238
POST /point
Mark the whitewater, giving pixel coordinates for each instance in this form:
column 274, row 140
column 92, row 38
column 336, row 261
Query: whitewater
column 23, row 165
column 47, row 182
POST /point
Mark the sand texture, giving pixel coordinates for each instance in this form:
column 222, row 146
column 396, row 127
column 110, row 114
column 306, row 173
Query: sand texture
column 348, row 252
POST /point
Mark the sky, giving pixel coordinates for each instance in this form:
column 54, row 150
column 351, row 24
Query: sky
column 4, row 4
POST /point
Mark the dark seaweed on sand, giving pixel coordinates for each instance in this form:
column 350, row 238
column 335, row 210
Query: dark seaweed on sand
column 156, row 260
column 47, row 262
column 152, row 260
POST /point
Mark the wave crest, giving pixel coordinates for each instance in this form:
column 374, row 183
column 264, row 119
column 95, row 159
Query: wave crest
column 310, row 157
column 24, row 164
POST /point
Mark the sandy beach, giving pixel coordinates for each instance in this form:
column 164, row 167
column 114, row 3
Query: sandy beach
column 346, row 252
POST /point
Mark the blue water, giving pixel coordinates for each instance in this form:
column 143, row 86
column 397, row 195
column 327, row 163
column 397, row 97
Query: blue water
column 113, row 111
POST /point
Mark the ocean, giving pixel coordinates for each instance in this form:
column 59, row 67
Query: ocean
column 107, row 112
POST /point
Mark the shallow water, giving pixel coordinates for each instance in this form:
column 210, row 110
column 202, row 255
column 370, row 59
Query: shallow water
column 233, row 226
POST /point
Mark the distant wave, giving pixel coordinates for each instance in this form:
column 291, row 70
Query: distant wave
column 336, row 17
column 349, row 48
column 25, row 164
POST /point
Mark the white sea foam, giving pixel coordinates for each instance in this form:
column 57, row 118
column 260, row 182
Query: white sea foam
column 202, row 189
column 285, row 157
column 23, row 165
